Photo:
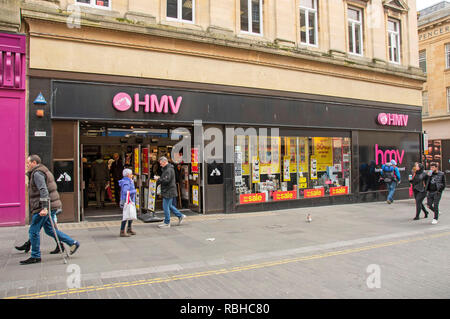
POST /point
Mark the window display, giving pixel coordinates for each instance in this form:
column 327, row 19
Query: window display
column 289, row 168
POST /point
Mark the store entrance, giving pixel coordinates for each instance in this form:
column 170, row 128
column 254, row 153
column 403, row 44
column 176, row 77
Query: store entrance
column 106, row 149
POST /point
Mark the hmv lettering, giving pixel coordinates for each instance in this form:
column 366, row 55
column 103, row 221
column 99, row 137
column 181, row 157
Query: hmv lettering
column 123, row 102
column 388, row 155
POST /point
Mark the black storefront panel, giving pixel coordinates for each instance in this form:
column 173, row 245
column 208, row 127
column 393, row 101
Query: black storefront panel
column 377, row 148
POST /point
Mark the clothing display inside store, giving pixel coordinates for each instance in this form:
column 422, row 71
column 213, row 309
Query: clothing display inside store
column 288, row 168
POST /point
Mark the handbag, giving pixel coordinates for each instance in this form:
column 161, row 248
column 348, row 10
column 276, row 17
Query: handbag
column 129, row 209
column 411, row 192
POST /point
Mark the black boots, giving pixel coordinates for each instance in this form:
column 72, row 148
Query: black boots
column 57, row 251
column 26, row 247
column 30, row 260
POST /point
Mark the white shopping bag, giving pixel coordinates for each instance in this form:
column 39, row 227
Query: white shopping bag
column 129, row 209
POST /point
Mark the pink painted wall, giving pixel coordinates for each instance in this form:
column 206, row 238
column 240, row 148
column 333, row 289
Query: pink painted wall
column 12, row 129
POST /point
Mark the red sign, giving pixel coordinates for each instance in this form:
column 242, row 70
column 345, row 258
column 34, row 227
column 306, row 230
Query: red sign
column 252, row 198
column 338, row 190
column 284, row 195
column 194, row 160
column 145, row 161
column 316, row 192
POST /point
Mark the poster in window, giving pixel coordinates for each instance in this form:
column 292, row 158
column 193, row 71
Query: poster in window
column 195, row 195
column 145, row 161
column 63, row 172
column 255, row 170
column 323, row 152
column 286, row 169
column 136, row 161
column 194, row 160
column 151, row 195
column 313, row 168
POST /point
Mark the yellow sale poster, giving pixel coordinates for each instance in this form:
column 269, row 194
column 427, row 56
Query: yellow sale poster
column 323, row 152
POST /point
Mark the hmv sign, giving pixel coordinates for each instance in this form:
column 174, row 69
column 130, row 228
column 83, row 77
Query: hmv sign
column 123, row 102
column 392, row 119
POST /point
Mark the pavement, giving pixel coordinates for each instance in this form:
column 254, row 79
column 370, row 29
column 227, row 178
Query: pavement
column 342, row 253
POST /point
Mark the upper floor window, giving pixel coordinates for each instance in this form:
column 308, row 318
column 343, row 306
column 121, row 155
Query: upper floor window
column 181, row 10
column 308, row 22
column 447, row 56
column 423, row 61
column 251, row 16
column 394, row 40
column 96, row 3
column 448, row 100
column 355, row 31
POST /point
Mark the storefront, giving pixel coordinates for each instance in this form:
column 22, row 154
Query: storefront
column 256, row 150
column 12, row 129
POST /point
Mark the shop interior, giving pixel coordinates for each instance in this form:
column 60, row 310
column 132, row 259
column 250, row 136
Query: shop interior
column 276, row 166
column 108, row 148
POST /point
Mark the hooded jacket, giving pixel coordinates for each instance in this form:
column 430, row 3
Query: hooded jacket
column 126, row 185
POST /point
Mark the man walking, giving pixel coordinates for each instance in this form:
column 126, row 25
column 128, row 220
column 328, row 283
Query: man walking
column 435, row 187
column 168, row 192
column 391, row 176
column 41, row 186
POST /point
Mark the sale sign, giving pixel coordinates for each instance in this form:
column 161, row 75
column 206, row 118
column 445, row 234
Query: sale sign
column 252, row 198
column 338, row 190
column 316, row 192
column 277, row 196
column 145, row 161
column 194, row 160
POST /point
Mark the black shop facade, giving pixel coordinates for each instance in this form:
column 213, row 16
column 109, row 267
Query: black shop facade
column 234, row 150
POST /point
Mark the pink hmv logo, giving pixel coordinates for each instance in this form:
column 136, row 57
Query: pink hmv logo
column 122, row 102
column 392, row 119
column 388, row 155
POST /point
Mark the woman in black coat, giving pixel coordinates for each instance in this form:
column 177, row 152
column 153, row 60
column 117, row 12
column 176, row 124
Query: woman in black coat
column 419, row 182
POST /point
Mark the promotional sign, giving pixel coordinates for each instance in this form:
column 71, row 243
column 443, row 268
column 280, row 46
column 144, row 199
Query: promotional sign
column 323, row 152
column 215, row 173
column 252, row 198
column 277, row 196
column 138, row 202
column 255, row 170
column 315, row 192
column 63, row 172
column 313, row 168
column 195, row 195
column 343, row 190
column 303, row 183
column 151, row 195
column 194, row 160
column 238, row 167
column 286, row 169
column 145, row 161
column 136, row 161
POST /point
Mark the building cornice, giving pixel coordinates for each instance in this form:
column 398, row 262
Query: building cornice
column 436, row 118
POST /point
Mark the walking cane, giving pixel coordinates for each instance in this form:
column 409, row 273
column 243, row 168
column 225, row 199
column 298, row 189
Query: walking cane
column 58, row 242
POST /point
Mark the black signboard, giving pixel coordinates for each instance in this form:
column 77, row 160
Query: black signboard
column 215, row 173
column 64, row 175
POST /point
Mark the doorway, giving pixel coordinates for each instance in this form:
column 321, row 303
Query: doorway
column 108, row 148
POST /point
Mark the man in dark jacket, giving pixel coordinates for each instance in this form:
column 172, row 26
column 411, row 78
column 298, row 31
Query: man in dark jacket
column 116, row 172
column 100, row 177
column 168, row 192
column 42, row 186
column 435, row 187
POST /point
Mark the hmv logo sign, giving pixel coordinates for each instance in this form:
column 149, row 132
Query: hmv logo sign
column 385, row 156
column 392, row 119
column 150, row 103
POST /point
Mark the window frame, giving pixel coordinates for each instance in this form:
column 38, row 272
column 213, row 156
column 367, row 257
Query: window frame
column 92, row 4
column 447, row 55
column 448, row 98
column 361, row 26
column 180, row 13
column 250, row 18
column 397, row 33
column 316, row 22
column 423, row 59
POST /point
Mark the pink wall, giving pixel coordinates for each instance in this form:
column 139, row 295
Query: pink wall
column 12, row 129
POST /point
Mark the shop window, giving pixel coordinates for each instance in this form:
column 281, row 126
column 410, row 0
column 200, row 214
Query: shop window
column 96, row 3
column 287, row 168
column 181, row 10
column 355, row 31
column 394, row 40
column 308, row 22
column 251, row 16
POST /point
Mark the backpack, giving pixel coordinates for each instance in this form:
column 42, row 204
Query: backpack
column 389, row 176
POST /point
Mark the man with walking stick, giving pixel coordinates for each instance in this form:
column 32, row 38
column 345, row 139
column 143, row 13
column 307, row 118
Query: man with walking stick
column 41, row 187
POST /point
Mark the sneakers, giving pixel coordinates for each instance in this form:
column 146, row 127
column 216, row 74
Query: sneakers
column 434, row 222
column 74, row 247
column 389, row 202
column 30, row 260
column 163, row 225
column 180, row 219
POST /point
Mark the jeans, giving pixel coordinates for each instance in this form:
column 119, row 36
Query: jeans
column 419, row 197
column 391, row 188
column 122, row 226
column 37, row 222
column 433, row 200
column 168, row 206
